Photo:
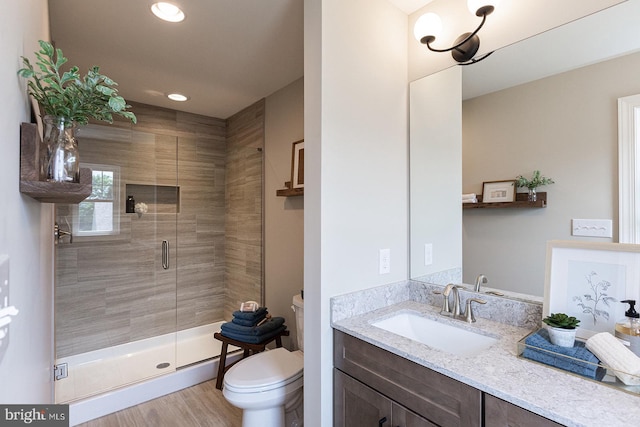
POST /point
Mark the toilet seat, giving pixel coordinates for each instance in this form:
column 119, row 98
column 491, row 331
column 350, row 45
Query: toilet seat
column 265, row 371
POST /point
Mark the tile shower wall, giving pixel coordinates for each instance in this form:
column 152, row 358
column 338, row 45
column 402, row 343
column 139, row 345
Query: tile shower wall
column 112, row 290
column 244, row 258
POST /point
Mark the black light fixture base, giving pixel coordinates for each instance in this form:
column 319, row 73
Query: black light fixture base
column 485, row 10
column 467, row 50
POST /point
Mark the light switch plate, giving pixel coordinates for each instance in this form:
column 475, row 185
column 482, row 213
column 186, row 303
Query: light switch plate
column 592, row 227
column 385, row 261
column 428, row 254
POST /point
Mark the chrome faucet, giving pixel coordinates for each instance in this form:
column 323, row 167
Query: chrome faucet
column 481, row 279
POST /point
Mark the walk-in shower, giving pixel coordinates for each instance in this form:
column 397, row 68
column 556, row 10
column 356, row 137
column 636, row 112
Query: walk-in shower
column 139, row 292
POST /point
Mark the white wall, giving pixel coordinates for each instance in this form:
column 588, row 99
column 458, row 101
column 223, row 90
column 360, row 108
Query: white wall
column 356, row 171
column 284, row 216
column 25, row 369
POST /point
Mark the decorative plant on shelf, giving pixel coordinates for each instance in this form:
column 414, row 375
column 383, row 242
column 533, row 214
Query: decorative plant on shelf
column 562, row 329
column 562, row 321
column 67, row 100
column 537, row 180
column 69, row 95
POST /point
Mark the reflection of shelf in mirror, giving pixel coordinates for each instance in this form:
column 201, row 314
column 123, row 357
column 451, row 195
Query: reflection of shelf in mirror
column 289, row 192
column 42, row 191
column 521, row 202
column 158, row 198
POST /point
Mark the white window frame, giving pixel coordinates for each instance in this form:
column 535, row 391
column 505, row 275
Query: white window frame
column 116, row 204
column 628, row 172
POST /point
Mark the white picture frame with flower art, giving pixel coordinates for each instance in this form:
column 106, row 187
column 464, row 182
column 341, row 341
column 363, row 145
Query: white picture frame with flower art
column 588, row 280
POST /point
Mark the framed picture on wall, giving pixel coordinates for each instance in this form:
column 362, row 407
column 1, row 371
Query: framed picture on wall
column 587, row 280
column 297, row 165
column 498, row 191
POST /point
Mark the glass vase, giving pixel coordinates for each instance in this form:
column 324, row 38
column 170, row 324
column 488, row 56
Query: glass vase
column 532, row 197
column 59, row 158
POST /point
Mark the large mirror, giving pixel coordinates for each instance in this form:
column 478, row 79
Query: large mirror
column 548, row 103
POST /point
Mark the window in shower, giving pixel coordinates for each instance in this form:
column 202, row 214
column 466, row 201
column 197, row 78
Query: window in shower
column 98, row 215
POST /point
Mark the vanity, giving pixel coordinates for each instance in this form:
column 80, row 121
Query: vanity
column 382, row 378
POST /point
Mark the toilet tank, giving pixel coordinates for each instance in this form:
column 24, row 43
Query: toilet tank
column 298, row 308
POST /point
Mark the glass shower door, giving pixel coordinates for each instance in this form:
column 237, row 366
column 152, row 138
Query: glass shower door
column 115, row 282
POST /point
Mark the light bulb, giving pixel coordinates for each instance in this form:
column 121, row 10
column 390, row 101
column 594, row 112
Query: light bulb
column 177, row 97
column 428, row 24
column 167, row 11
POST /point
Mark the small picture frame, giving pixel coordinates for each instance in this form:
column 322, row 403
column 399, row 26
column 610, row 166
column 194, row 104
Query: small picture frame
column 498, row 191
column 297, row 165
column 587, row 280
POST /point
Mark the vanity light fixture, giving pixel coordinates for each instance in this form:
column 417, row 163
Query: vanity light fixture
column 429, row 26
column 178, row 97
column 167, row 12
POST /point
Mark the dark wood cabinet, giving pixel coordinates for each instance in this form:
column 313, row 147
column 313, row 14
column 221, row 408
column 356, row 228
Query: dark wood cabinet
column 422, row 392
column 498, row 413
column 374, row 387
column 359, row 405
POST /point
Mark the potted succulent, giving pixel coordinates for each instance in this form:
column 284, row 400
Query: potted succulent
column 537, row 180
column 562, row 329
column 68, row 100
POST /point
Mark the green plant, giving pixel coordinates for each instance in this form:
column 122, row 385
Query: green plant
column 69, row 95
column 536, row 181
column 561, row 320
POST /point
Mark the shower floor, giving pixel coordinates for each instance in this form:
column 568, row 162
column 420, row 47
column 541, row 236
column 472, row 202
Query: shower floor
column 106, row 369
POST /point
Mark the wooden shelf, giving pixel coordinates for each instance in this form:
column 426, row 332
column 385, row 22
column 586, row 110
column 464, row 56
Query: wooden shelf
column 43, row 191
column 521, row 202
column 290, row 192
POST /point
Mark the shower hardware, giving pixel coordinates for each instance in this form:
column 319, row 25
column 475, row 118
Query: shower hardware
column 60, row 371
column 165, row 254
column 59, row 234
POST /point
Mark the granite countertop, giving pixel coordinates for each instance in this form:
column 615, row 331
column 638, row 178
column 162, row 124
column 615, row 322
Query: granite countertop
column 565, row 398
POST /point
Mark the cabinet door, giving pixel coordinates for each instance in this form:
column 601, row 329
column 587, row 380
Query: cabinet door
column 498, row 413
column 402, row 417
column 355, row 404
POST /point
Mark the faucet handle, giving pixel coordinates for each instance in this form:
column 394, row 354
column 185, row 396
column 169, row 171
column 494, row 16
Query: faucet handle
column 468, row 314
column 446, row 310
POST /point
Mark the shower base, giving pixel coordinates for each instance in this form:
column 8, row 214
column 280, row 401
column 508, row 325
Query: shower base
column 103, row 380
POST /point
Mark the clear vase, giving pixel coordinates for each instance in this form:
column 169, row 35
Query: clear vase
column 59, row 158
column 532, row 197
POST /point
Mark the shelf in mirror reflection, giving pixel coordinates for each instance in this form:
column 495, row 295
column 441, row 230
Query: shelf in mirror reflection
column 520, row 202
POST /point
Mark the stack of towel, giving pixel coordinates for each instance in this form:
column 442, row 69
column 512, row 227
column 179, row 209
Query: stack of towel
column 469, row 198
column 614, row 354
column 576, row 359
column 253, row 327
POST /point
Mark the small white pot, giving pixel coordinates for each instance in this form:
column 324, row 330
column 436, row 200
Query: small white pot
column 562, row 337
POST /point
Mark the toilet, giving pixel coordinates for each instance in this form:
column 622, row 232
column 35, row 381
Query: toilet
column 268, row 386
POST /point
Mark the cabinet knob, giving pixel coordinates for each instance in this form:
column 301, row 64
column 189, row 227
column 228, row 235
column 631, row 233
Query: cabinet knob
column 382, row 421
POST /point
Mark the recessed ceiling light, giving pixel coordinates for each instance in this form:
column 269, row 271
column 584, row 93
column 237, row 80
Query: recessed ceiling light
column 167, row 11
column 177, row 97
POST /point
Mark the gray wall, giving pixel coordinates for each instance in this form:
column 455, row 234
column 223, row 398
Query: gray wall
column 565, row 126
column 284, row 216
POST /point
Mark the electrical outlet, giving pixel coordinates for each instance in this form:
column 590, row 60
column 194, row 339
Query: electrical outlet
column 428, row 254
column 385, row 261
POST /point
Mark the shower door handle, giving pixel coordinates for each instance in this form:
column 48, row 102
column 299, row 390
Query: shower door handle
column 165, row 254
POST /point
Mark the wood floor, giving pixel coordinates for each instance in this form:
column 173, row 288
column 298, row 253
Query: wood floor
column 199, row 406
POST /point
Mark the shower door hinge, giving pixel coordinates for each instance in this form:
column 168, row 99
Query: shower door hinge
column 60, row 371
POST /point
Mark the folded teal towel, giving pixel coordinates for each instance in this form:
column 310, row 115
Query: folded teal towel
column 540, row 349
column 250, row 315
column 263, row 329
column 249, row 322
column 254, row 339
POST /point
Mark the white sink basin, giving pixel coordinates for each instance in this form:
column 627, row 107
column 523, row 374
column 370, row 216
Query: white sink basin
column 437, row 335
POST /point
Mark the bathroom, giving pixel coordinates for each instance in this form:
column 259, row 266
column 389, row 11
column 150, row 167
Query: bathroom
column 347, row 260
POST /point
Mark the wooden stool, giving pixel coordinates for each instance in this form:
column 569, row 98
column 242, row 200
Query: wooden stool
column 248, row 350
